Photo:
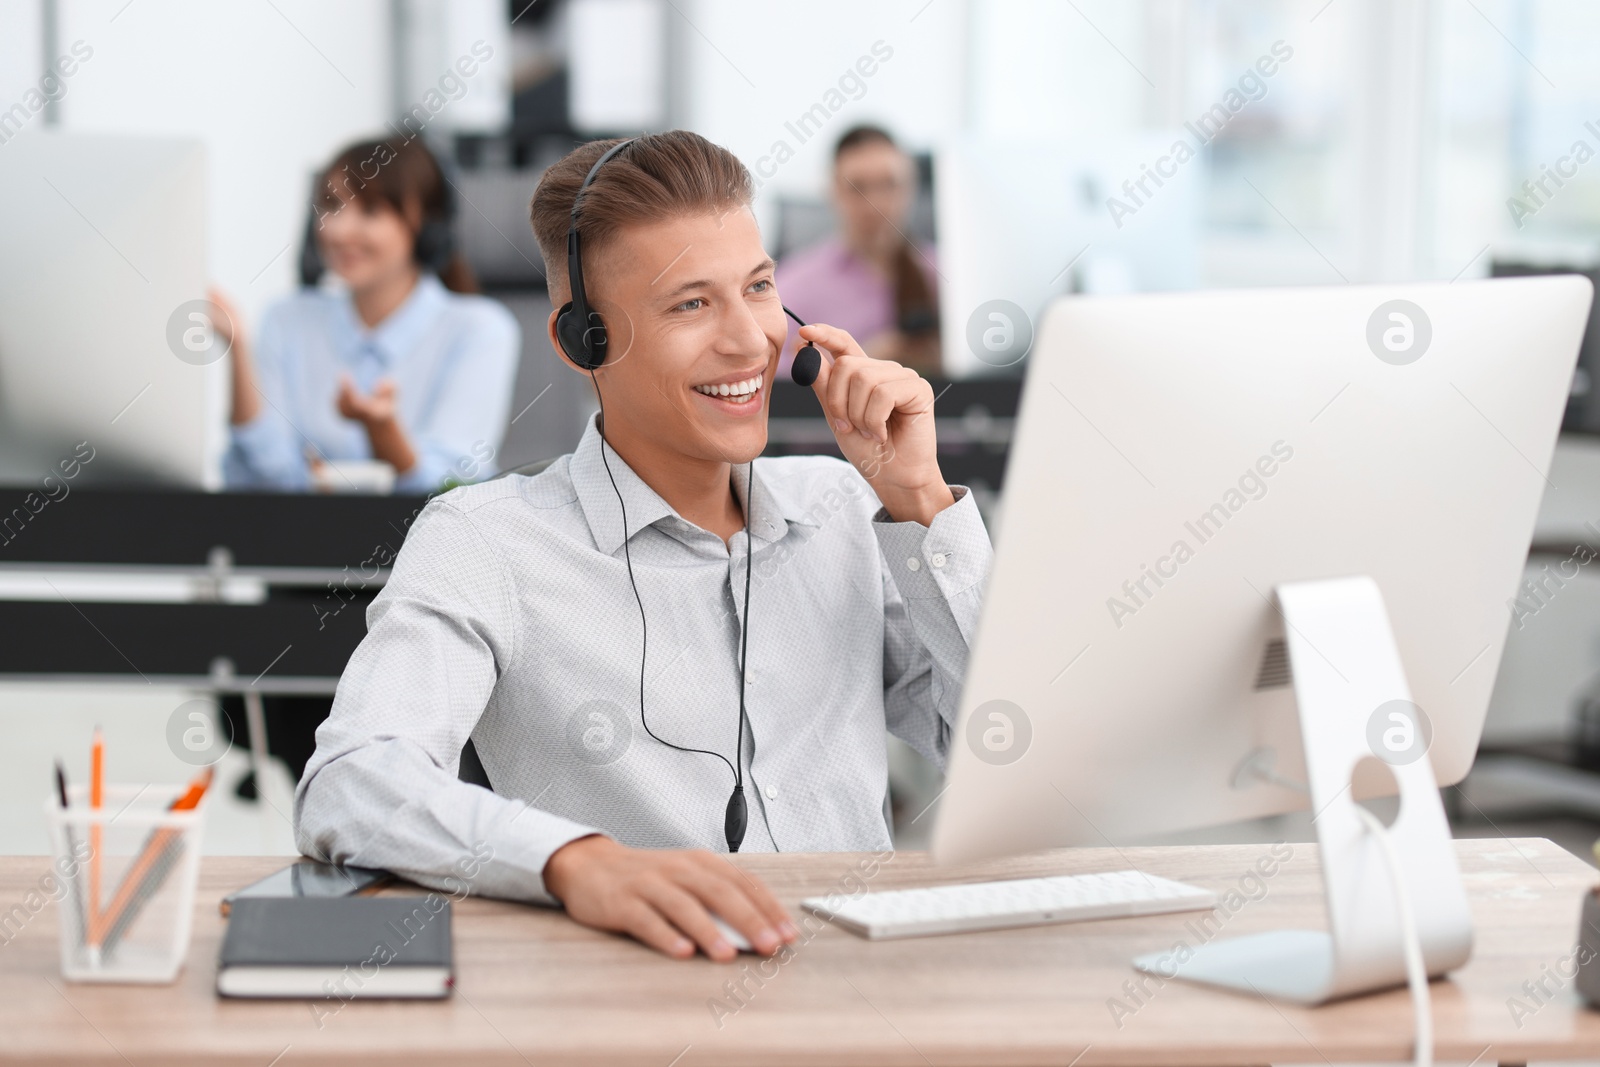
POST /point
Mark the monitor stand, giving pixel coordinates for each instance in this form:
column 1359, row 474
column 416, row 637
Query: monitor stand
column 1346, row 667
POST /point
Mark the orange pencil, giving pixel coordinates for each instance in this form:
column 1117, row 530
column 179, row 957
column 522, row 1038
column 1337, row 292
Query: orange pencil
column 97, row 799
column 155, row 849
column 196, row 790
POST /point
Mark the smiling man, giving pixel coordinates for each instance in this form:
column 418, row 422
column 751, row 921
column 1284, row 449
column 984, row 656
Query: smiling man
column 585, row 626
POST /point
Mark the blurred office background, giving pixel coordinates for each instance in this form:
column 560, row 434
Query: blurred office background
column 1333, row 141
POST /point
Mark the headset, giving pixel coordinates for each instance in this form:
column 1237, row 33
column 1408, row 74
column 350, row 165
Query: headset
column 582, row 332
column 432, row 250
column 435, row 245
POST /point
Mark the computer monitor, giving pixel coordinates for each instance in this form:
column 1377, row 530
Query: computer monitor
column 102, row 269
column 1022, row 221
column 1186, row 467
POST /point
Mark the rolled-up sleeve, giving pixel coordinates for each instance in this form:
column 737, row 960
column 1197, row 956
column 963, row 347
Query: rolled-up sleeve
column 933, row 578
column 466, row 418
column 383, row 789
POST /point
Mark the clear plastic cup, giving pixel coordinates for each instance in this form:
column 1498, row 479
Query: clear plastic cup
column 135, row 926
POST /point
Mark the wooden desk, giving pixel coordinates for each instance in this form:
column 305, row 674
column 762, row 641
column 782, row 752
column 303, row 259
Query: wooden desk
column 535, row 988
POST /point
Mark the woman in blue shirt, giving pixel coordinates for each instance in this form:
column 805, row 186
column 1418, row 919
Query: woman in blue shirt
column 398, row 363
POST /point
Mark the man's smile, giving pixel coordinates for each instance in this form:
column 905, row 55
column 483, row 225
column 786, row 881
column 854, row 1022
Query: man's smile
column 733, row 390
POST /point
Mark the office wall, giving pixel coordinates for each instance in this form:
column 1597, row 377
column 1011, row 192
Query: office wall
column 1061, row 70
column 1317, row 149
column 743, row 75
column 21, row 26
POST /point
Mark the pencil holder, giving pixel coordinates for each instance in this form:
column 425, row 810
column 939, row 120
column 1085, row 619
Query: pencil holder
column 128, row 873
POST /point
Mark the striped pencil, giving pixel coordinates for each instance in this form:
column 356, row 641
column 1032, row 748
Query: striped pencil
column 160, row 853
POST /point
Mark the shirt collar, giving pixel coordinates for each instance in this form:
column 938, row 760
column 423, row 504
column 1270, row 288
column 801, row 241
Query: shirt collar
column 399, row 332
column 774, row 507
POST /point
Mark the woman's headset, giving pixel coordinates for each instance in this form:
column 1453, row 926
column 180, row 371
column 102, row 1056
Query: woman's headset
column 432, row 250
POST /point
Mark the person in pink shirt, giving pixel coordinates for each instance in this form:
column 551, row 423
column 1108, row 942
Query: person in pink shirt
column 869, row 280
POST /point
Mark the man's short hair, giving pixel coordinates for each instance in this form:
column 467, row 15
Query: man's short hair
column 860, row 134
column 659, row 176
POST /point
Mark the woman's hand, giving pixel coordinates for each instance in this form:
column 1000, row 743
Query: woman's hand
column 379, row 407
column 227, row 326
column 882, row 416
column 666, row 898
column 380, row 415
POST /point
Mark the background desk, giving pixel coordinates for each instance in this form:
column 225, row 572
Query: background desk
column 535, row 988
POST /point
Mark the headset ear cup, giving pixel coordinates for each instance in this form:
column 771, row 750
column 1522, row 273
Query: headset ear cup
column 570, row 339
column 584, row 343
column 435, row 245
column 311, row 265
column 436, row 239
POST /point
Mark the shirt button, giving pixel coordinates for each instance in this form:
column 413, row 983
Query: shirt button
column 772, row 792
column 913, row 564
column 937, row 559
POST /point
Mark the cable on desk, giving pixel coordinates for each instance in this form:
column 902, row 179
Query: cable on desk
column 1416, row 972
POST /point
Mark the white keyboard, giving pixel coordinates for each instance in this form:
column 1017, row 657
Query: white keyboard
column 948, row 909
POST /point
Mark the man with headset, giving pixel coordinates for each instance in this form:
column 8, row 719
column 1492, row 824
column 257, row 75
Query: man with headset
column 656, row 617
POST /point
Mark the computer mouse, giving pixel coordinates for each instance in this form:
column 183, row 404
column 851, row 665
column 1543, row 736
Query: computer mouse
column 733, row 937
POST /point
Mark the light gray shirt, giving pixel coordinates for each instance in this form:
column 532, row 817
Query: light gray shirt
column 508, row 618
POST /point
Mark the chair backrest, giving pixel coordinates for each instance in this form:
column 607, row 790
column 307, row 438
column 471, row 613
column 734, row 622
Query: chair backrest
column 471, row 767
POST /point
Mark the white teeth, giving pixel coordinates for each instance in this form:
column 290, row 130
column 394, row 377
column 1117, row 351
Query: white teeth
column 738, row 391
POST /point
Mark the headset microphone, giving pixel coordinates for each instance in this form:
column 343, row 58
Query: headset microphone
column 807, row 362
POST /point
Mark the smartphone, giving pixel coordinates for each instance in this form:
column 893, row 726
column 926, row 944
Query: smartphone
column 310, row 878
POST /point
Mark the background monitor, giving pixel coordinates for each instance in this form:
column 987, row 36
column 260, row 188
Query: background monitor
column 102, row 267
column 1022, row 221
column 1583, row 403
column 1177, row 457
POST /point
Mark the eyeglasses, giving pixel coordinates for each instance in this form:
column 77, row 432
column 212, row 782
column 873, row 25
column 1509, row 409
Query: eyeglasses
column 874, row 188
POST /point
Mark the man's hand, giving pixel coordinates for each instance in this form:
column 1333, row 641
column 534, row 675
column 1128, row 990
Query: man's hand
column 665, row 898
column 882, row 416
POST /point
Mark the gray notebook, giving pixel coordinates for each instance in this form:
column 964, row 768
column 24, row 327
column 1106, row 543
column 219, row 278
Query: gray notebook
column 341, row 947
